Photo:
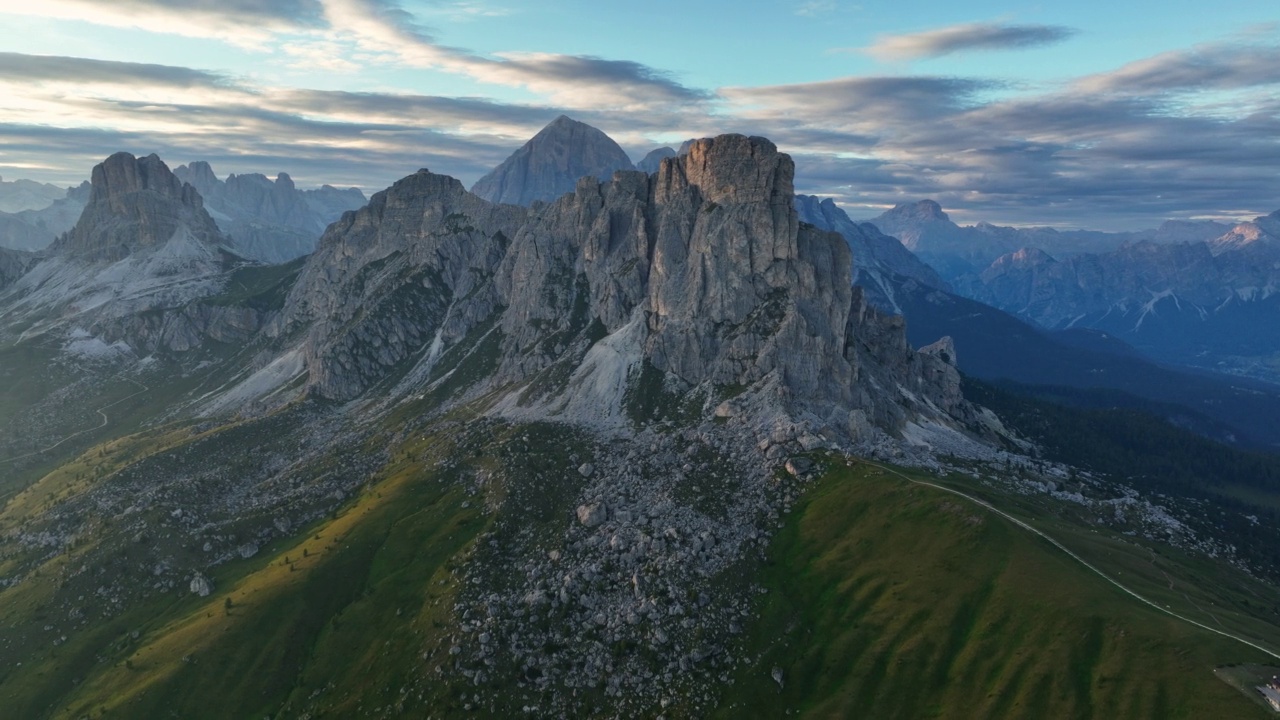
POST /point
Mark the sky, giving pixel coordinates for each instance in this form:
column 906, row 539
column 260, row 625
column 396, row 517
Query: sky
column 1108, row 115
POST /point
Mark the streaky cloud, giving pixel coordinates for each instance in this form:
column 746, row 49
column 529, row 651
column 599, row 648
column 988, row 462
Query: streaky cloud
column 965, row 38
column 43, row 68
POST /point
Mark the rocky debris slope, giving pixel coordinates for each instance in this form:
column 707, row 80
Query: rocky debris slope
column 877, row 258
column 550, row 164
column 696, row 282
column 269, row 221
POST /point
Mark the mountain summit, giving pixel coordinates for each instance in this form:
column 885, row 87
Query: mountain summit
column 137, row 204
column 550, row 164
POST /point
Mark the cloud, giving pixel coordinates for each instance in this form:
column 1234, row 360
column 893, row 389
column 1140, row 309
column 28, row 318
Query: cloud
column 327, row 33
column 17, row 67
column 1206, row 67
column 880, row 97
column 243, row 23
column 964, row 38
column 812, row 8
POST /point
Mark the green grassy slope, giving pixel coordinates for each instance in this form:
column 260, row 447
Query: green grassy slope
column 890, row 600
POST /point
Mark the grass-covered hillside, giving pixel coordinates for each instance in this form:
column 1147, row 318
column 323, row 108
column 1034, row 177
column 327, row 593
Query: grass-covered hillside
column 877, row 598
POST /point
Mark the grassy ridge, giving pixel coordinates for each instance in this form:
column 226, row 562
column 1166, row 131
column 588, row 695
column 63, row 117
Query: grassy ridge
column 890, row 600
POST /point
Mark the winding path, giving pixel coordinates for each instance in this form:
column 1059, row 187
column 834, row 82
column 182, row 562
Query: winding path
column 1077, row 558
column 101, row 411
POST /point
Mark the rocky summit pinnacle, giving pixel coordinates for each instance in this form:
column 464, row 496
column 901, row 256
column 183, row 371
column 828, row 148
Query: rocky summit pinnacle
column 137, row 204
column 550, row 164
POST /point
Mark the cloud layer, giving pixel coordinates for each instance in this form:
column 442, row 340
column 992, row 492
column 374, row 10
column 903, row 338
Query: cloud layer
column 963, row 38
column 1190, row 133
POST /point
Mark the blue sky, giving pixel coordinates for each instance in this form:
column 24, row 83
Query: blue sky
column 1086, row 114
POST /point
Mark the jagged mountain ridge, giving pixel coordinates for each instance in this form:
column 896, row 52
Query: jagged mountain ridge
column 1211, row 304
column 955, row 250
column 702, row 272
column 21, row 194
column 269, row 221
column 652, row 160
column 550, row 164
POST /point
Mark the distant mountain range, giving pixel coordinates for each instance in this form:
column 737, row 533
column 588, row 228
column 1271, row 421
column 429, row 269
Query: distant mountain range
column 269, row 221
column 955, row 250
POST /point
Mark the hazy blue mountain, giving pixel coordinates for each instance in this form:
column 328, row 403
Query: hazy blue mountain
column 550, row 164
column 955, row 250
column 1209, row 304
column 269, row 220
column 653, row 160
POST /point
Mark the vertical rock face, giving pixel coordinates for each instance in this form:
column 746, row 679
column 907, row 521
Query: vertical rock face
column 137, row 204
column 701, row 273
column 550, row 164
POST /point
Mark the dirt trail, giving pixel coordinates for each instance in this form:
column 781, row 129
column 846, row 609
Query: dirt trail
column 1077, row 558
column 105, row 420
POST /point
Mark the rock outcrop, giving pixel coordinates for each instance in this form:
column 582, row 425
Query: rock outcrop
column 696, row 281
column 550, row 164
column 137, row 204
column 269, row 221
column 136, row 269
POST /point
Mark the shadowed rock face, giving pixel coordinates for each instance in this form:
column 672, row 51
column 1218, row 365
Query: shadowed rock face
column 136, row 204
column 550, row 164
column 701, row 271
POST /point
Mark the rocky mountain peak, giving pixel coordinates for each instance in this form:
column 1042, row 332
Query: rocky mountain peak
column 122, row 175
column 550, row 163
column 738, row 169
column 200, row 175
column 922, row 211
column 137, row 204
column 653, row 160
